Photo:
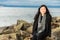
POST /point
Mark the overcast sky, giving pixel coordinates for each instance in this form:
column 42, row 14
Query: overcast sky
column 17, row 3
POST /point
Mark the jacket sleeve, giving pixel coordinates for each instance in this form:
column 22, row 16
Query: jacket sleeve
column 49, row 27
column 34, row 28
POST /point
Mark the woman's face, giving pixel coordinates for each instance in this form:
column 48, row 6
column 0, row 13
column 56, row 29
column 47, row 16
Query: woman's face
column 43, row 10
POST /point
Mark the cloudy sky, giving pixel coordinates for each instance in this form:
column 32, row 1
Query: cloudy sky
column 28, row 3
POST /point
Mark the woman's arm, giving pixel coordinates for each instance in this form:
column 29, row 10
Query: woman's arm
column 49, row 27
column 34, row 27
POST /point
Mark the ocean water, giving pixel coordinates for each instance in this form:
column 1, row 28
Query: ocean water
column 10, row 15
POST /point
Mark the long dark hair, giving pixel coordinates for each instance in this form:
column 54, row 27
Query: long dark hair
column 38, row 13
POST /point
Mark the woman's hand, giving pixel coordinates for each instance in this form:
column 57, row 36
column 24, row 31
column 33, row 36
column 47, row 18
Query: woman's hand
column 31, row 35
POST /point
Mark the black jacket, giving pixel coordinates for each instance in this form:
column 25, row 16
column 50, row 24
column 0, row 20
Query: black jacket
column 47, row 31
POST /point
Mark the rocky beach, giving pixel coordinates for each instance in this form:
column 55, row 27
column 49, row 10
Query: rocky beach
column 22, row 30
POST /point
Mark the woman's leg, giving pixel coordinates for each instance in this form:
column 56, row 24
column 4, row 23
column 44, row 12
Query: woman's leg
column 34, row 38
column 41, row 39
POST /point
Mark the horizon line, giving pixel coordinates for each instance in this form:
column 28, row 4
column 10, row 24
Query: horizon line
column 27, row 6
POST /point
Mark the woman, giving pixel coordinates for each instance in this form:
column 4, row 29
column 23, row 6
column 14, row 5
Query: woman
column 42, row 24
